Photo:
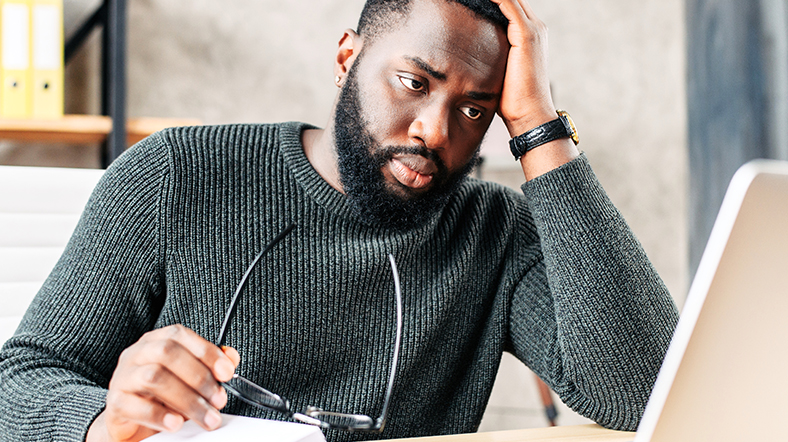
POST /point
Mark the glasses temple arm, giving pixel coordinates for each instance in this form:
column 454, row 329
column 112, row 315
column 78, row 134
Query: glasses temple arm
column 395, row 358
column 236, row 296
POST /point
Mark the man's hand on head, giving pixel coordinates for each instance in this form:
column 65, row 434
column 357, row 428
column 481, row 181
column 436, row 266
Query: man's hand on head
column 526, row 102
column 170, row 375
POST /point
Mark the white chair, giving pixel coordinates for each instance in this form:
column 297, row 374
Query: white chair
column 39, row 208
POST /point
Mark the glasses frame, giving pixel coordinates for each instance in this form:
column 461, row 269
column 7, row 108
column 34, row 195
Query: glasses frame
column 253, row 394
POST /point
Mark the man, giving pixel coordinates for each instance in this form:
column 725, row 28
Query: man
column 121, row 341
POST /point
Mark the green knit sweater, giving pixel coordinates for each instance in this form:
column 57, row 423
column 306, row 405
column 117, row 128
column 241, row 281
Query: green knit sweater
column 553, row 276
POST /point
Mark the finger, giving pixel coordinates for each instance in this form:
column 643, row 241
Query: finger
column 512, row 10
column 160, row 384
column 171, row 355
column 529, row 11
column 212, row 356
column 184, row 365
column 125, row 408
column 232, row 354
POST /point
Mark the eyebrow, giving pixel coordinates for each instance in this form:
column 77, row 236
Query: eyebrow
column 438, row 75
column 482, row 96
column 424, row 66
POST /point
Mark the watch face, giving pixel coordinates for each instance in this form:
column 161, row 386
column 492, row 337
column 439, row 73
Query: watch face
column 573, row 134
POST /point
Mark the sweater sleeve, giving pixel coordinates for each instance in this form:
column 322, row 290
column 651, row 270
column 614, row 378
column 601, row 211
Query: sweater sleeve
column 593, row 318
column 102, row 295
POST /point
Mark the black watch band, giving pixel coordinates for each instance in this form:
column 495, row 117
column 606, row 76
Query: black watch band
column 561, row 127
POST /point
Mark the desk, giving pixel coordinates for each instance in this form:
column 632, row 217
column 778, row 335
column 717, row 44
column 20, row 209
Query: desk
column 577, row 433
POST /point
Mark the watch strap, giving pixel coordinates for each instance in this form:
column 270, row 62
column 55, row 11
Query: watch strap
column 550, row 131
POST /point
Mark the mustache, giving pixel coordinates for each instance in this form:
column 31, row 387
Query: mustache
column 386, row 153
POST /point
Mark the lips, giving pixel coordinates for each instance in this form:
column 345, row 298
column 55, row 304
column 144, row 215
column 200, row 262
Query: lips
column 413, row 171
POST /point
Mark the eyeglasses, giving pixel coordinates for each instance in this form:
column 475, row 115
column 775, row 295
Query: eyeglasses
column 253, row 394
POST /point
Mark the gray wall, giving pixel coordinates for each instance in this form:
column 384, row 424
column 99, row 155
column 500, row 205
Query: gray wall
column 738, row 99
column 618, row 66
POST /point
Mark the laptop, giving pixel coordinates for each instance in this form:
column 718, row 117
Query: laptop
column 725, row 375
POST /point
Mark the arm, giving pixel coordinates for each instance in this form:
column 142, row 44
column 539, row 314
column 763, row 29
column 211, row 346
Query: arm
column 593, row 318
column 102, row 296
column 98, row 299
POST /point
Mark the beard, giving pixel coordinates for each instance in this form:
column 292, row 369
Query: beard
column 361, row 159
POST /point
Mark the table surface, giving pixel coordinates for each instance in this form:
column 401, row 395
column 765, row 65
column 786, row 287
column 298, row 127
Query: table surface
column 576, row 433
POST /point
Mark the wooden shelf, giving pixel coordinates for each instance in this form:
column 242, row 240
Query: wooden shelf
column 139, row 128
column 69, row 129
column 83, row 128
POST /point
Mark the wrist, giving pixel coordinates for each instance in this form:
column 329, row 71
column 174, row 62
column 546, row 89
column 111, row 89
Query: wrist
column 539, row 162
column 555, row 129
column 528, row 121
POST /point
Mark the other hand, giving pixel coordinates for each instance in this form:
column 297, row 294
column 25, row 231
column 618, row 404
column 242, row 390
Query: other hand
column 526, row 101
column 170, row 375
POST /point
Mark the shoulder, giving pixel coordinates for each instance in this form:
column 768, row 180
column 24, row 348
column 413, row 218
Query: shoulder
column 222, row 139
column 208, row 149
column 200, row 154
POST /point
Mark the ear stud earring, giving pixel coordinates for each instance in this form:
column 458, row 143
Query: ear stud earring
column 337, row 80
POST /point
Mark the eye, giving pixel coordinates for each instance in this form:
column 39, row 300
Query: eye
column 412, row 84
column 471, row 112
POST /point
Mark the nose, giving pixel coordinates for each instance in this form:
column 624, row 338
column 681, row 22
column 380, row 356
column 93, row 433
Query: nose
column 430, row 128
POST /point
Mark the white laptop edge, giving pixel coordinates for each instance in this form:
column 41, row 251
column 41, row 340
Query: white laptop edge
column 723, row 225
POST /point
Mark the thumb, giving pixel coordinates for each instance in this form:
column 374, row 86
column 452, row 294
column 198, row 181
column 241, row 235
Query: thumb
column 232, row 354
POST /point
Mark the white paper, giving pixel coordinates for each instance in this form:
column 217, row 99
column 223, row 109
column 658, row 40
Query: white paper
column 240, row 428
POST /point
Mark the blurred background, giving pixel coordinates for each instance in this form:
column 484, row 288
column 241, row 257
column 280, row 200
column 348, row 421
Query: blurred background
column 669, row 97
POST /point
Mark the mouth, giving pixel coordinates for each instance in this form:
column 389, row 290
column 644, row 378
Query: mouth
column 412, row 171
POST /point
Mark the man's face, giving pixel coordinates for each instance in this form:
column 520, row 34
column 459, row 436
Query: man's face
column 414, row 109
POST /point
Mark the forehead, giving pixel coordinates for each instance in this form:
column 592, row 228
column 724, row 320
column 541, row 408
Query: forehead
column 450, row 38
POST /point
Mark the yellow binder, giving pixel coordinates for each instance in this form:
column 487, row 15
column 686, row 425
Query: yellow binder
column 47, row 57
column 15, row 64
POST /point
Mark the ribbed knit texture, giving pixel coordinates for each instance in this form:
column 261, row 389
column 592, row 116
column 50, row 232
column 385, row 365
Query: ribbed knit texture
column 554, row 276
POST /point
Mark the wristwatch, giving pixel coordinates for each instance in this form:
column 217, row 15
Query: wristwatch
column 561, row 127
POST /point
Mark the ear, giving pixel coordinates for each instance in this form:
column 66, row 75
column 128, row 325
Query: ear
column 349, row 47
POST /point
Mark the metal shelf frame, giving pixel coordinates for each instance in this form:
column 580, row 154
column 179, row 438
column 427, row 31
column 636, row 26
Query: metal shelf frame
column 111, row 16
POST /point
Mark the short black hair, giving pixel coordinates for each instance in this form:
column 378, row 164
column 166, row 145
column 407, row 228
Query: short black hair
column 380, row 16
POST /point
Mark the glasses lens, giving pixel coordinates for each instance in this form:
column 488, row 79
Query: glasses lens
column 256, row 395
column 342, row 421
